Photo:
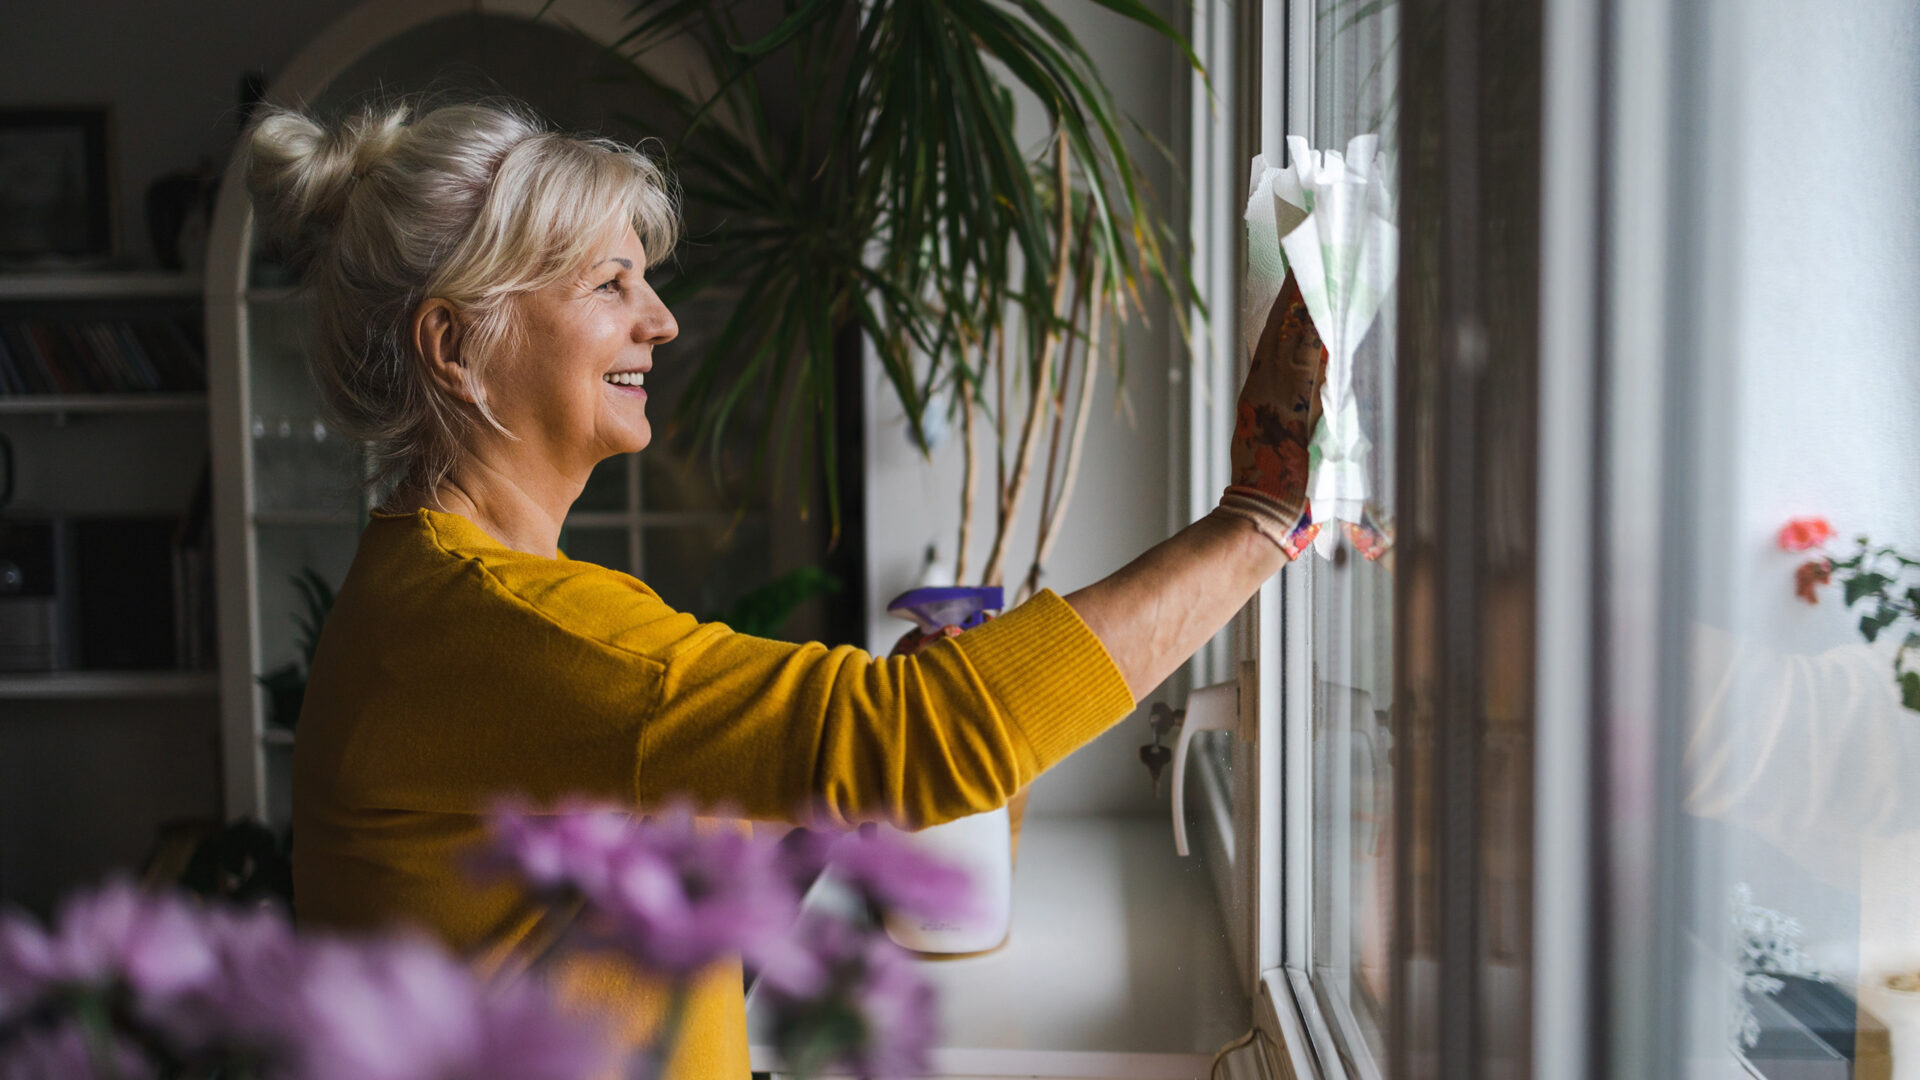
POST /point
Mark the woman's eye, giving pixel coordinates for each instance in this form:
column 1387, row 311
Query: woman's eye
column 610, row 286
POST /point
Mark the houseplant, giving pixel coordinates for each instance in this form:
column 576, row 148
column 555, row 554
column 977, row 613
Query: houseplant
column 855, row 166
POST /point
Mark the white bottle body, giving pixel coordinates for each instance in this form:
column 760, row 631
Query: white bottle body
column 981, row 845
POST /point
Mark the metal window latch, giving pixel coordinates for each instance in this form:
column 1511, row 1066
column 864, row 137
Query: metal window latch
column 1210, row 708
column 1153, row 755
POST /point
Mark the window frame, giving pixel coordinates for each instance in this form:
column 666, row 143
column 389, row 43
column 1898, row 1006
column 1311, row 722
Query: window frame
column 1266, row 810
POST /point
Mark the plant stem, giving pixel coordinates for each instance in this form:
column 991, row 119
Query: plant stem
column 999, row 422
column 1040, row 369
column 1084, row 246
column 660, row 1051
column 1050, row 520
column 967, row 481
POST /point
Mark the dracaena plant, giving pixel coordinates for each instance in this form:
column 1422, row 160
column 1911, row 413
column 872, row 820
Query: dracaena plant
column 856, row 165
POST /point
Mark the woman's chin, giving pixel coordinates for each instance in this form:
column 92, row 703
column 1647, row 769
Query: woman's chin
column 633, row 442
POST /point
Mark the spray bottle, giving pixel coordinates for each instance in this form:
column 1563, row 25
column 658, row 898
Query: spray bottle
column 981, row 844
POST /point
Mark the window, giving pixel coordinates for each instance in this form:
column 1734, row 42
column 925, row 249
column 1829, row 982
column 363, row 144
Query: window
column 1311, row 799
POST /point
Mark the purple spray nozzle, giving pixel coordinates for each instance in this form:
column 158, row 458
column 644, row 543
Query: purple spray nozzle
column 964, row 606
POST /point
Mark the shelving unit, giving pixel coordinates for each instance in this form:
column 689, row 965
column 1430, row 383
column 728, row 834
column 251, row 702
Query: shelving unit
column 60, row 405
column 96, row 760
column 99, row 685
column 81, row 285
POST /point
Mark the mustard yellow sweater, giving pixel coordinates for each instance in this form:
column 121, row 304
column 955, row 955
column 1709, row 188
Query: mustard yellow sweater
column 454, row 670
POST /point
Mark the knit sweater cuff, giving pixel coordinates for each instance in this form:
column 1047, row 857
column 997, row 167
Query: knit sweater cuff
column 1050, row 674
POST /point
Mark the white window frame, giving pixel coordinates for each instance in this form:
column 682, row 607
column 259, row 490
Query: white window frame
column 1256, row 827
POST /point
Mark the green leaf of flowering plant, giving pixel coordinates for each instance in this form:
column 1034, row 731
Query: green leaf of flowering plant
column 1910, row 690
column 1863, row 585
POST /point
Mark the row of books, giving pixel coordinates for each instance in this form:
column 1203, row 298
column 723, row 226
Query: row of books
column 101, row 356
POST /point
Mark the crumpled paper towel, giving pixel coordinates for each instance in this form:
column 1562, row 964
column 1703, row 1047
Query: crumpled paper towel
column 1330, row 217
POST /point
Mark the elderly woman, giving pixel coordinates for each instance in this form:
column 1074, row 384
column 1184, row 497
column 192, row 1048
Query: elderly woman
column 485, row 325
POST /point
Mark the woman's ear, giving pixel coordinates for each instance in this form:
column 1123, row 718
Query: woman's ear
column 437, row 339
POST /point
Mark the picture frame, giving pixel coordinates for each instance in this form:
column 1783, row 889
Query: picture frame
column 56, row 197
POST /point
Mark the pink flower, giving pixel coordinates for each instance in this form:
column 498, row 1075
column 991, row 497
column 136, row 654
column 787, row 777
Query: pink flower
column 1803, row 534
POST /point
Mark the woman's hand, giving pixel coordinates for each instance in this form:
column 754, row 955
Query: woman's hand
column 1274, row 419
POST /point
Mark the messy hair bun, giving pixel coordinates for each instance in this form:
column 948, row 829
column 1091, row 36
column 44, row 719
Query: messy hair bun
column 474, row 204
column 300, row 173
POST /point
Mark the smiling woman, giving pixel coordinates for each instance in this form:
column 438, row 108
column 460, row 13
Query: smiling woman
column 426, row 237
column 486, row 326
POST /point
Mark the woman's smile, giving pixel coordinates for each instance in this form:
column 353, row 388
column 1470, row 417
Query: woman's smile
column 627, row 383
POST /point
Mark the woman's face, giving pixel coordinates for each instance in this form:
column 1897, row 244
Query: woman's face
column 572, row 392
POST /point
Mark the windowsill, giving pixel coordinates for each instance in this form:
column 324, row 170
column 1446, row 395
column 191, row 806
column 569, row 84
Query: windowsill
column 1118, row 965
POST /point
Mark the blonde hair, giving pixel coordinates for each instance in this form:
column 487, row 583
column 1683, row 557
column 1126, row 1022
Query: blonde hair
column 471, row 203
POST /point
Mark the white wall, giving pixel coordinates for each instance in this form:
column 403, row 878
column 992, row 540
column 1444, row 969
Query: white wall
column 1119, row 506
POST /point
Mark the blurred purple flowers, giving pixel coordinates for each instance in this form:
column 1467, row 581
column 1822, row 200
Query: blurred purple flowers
column 840, row 991
column 187, row 988
column 130, row 984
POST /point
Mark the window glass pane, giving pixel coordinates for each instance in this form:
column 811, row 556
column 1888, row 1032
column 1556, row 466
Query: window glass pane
column 1349, row 631
column 1799, row 798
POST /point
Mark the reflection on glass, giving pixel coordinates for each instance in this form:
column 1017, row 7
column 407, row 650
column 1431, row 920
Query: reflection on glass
column 1799, row 791
column 1350, row 599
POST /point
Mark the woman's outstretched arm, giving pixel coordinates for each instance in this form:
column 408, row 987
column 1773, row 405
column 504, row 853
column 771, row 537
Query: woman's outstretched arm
column 1160, row 608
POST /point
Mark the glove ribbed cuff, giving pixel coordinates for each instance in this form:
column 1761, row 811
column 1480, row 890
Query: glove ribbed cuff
column 1290, row 529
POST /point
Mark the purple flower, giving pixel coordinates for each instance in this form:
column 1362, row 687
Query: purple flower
column 154, row 943
column 894, row 875
column 405, row 1010
column 211, row 984
column 564, row 849
column 674, row 898
column 249, row 1004
column 850, row 997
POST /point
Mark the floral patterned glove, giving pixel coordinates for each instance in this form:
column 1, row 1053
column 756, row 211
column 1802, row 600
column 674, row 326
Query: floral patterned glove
column 1273, row 422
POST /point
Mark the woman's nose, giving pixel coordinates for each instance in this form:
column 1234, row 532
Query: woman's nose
column 655, row 325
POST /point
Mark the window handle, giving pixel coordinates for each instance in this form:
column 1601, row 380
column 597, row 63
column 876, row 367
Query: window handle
column 1210, row 708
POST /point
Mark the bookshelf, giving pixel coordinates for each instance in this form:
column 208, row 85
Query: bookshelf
column 103, row 404
column 108, row 685
column 100, row 753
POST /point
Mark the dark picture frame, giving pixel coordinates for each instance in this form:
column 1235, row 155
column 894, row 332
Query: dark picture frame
column 56, row 198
